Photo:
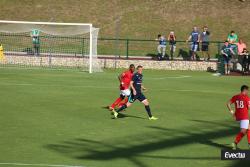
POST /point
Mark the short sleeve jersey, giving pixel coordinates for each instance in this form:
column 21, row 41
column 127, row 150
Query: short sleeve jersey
column 126, row 77
column 241, row 103
column 137, row 79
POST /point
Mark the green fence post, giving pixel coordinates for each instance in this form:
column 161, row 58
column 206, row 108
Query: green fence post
column 127, row 48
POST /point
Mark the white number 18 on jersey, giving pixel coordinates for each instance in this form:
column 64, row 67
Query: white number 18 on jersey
column 239, row 104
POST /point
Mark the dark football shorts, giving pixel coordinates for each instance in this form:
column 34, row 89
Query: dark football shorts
column 204, row 46
column 227, row 59
column 139, row 96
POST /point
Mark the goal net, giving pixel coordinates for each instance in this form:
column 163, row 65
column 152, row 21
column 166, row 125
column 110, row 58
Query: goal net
column 49, row 44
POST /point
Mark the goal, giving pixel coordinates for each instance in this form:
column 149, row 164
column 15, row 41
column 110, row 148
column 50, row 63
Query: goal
column 50, row 44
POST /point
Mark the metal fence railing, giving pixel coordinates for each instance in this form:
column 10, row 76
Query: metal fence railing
column 140, row 47
column 78, row 45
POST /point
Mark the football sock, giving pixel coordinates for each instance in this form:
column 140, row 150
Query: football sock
column 123, row 102
column 148, row 111
column 117, row 101
column 239, row 137
column 248, row 136
column 122, row 108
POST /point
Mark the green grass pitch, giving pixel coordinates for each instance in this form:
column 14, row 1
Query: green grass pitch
column 56, row 117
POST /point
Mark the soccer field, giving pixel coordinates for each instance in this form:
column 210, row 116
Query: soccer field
column 56, row 118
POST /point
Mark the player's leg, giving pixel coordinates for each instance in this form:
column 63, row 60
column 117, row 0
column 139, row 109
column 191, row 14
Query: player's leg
column 125, row 100
column 145, row 101
column 244, row 125
column 116, row 112
column 116, row 102
column 131, row 99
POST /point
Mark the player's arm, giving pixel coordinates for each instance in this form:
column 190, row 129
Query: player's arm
column 189, row 38
column 229, row 103
column 120, row 78
column 249, row 103
column 229, row 107
column 132, row 87
column 143, row 88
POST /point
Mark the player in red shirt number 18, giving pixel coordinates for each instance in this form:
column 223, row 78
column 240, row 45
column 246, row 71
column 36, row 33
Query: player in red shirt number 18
column 242, row 104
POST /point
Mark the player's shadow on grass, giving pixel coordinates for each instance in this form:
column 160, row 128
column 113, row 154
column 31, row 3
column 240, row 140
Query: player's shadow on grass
column 107, row 151
column 123, row 115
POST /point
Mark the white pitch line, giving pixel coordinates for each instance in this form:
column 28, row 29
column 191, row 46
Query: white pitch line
column 44, row 165
column 174, row 77
column 111, row 87
column 16, row 84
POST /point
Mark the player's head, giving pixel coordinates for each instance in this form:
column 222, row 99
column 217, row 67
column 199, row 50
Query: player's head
column 159, row 36
column 139, row 69
column 132, row 67
column 244, row 89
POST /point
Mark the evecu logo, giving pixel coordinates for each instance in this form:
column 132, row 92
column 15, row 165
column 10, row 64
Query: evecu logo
column 235, row 155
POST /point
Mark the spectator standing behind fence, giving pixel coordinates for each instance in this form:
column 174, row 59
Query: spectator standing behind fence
column 194, row 38
column 161, row 47
column 172, row 44
column 232, row 38
column 2, row 56
column 36, row 41
column 241, row 46
column 246, row 61
column 205, row 43
column 227, row 53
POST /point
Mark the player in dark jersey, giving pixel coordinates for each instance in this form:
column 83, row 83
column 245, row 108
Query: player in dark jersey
column 136, row 87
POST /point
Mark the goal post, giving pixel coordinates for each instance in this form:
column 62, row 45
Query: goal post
column 75, row 42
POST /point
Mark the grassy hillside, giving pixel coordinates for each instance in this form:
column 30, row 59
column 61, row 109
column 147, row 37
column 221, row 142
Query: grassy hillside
column 138, row 18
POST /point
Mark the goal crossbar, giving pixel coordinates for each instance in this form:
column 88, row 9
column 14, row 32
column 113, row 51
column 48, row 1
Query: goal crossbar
column 44, row 23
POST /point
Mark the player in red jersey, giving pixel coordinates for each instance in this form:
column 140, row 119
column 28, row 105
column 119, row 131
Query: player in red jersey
column 242, row 104
column 124, row 80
